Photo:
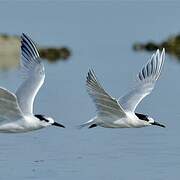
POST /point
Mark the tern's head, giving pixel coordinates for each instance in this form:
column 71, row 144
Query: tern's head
column 148, row 120
column 47, row 121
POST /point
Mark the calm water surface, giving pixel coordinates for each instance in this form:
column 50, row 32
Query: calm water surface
column 101, row 36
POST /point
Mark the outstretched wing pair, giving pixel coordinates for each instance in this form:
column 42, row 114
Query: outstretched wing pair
column 110, row 107
column 15, row 106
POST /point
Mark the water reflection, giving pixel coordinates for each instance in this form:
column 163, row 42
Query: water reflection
column 10, row 52
column 171, row 44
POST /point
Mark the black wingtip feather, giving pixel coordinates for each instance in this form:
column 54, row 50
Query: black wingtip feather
column 28, row 45
column 91, row 75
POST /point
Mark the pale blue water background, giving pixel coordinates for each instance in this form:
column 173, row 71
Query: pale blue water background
column 100, row 36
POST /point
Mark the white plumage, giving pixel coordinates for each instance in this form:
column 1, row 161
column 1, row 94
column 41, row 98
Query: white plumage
column 112, row 113
column 34, row 74
column 16, row 110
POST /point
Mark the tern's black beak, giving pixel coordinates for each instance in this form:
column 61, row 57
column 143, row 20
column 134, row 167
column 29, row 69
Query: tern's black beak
column 57, row 124
column 158, row 124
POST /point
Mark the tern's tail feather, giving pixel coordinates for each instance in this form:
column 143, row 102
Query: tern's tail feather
column 88, row 123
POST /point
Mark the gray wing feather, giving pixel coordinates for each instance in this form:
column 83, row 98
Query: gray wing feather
column 106, row 105
column 33, row 71
column 147, row 78
column 9, row 108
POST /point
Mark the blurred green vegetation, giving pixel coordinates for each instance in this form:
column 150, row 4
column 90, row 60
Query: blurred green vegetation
column 10, row 52
column 55, row 54
column 171, row 45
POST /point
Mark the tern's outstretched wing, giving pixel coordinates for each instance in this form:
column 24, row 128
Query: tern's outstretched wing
column 33, row 70
column 9, row 108
column 147, row 78
column 105, row 104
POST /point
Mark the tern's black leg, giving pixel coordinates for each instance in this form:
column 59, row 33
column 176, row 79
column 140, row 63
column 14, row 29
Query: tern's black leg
column 93, row 125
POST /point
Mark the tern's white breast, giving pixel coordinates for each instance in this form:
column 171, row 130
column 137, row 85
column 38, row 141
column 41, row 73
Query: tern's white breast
column 28, row 123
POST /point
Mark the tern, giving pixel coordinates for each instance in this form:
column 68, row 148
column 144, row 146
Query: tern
column 16, row 110
column 120, row 113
